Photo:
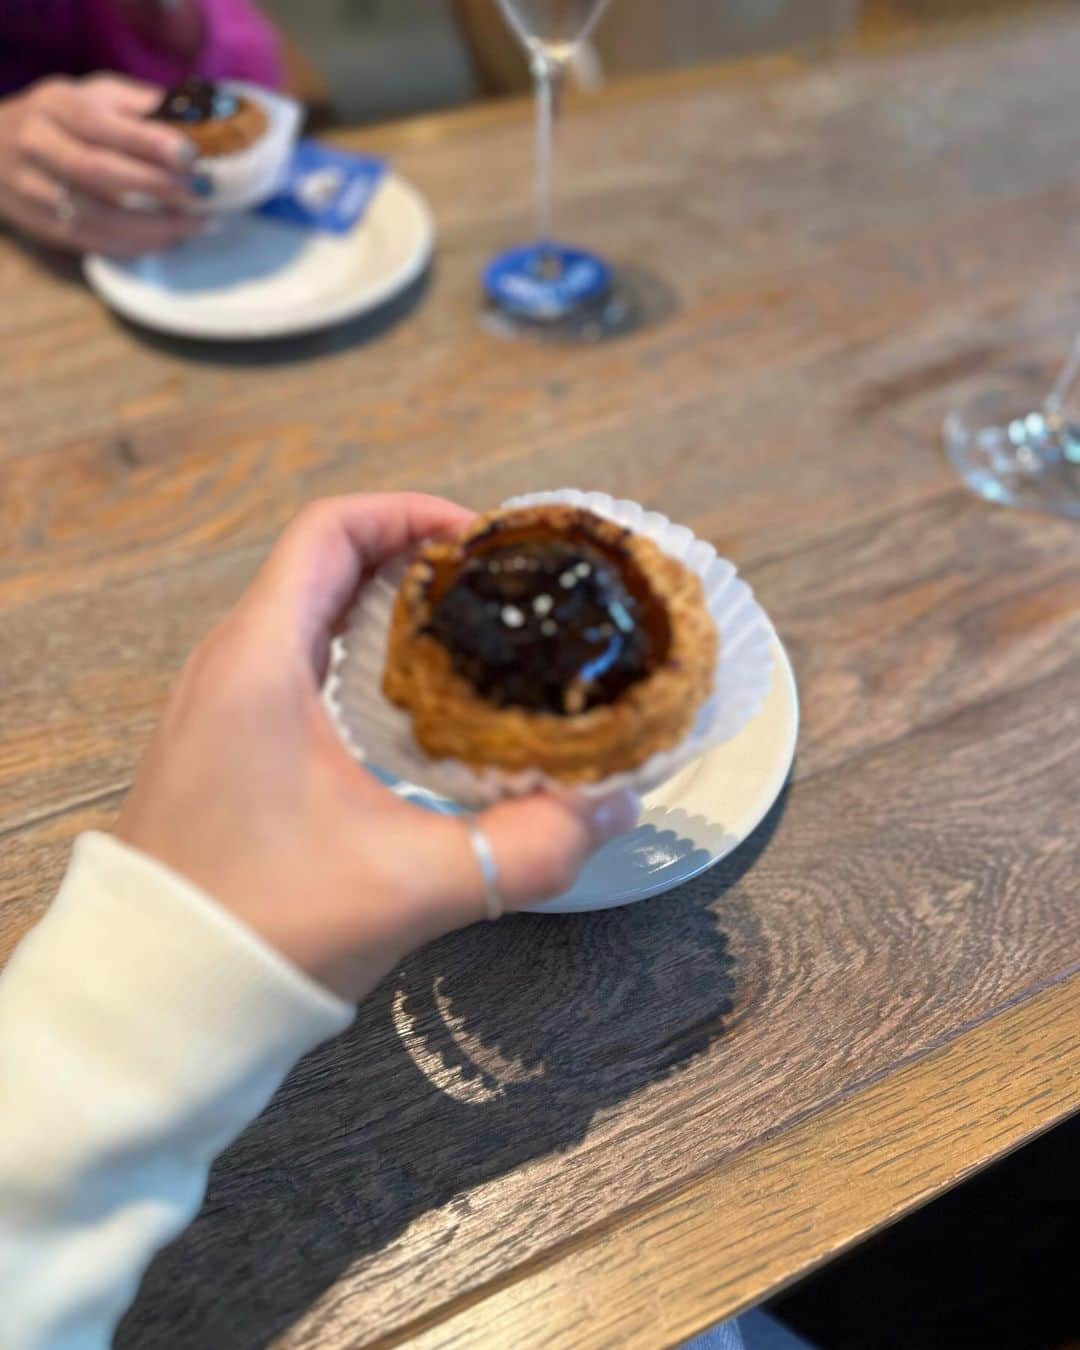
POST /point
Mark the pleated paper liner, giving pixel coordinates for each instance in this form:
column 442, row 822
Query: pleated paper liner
column 381, row 734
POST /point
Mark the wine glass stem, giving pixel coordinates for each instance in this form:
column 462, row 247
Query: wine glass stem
column 1063, row 385
column 549, row 73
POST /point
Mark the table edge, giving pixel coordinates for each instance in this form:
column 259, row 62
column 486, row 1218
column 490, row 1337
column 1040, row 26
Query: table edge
column 699, row 1282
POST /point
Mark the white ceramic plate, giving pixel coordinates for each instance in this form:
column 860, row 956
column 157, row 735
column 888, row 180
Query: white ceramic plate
column 257, row 278
column 691, row 822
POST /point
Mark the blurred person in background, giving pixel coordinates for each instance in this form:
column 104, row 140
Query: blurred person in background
column 79, row 162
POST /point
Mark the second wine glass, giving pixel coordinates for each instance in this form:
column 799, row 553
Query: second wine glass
column 1018, row 444
column 547, row 283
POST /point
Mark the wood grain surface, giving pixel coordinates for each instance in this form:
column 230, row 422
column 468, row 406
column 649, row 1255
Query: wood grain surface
column 613, row 1129
column 656, row 1277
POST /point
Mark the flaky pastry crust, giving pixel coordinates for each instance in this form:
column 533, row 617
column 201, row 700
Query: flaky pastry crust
column 229, row 135
column 451, row 720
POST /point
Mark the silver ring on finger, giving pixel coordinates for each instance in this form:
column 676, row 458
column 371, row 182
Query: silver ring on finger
column 65, row 207
column 489, row 871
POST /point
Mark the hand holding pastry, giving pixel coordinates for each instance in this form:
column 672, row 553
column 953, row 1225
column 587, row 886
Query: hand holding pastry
column 248, row 791
column 75, row 155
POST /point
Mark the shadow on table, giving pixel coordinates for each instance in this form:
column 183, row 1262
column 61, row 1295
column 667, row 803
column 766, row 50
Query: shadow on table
column 64, row 268
column 289, row 350
column 639, row 298
column 493, row 1048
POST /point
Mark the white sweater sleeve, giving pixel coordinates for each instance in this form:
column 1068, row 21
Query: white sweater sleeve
column 141, row 1029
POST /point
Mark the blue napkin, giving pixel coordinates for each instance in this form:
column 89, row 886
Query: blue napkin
column 325, row 188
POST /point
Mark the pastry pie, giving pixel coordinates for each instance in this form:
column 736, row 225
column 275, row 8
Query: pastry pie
column 550, row 638
column 218, row 121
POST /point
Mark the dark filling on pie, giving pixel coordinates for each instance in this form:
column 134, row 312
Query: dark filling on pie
column 548, row 624
column 196, row 101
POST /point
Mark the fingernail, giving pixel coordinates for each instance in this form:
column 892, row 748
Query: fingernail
column 615, row 815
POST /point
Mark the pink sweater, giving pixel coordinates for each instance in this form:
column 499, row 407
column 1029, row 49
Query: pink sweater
column 75, row 37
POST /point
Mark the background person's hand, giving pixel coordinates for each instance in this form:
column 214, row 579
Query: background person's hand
column 247, row 790
column 74, row 156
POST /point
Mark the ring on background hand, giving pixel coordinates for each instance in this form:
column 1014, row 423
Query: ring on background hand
column 65, row 208
column 489, row 870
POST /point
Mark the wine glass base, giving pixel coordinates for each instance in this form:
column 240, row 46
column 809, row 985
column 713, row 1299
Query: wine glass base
column 554, row 293
column 588, row 324
column 1011, row 450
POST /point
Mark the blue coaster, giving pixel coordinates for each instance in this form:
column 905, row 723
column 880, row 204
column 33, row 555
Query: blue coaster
column 524, row 282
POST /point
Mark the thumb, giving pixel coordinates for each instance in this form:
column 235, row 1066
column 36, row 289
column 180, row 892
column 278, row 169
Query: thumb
column 538, row 844
column 541, row 843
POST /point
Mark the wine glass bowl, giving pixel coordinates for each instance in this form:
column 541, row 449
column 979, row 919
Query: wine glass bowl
column 1015, row 444
column 556, row 27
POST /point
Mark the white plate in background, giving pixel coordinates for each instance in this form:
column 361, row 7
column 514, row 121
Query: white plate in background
column 255, row 278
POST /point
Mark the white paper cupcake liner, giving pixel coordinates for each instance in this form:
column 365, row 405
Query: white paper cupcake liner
column 249, row 177
column 381, row 734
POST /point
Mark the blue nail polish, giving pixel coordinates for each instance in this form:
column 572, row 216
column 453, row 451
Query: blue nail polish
column 202, row 185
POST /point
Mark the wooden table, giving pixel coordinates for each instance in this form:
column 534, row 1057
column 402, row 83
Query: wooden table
column 613, row 1130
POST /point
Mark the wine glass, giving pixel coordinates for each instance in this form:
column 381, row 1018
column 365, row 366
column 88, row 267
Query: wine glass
column 1015, row 443
column 547, row 284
